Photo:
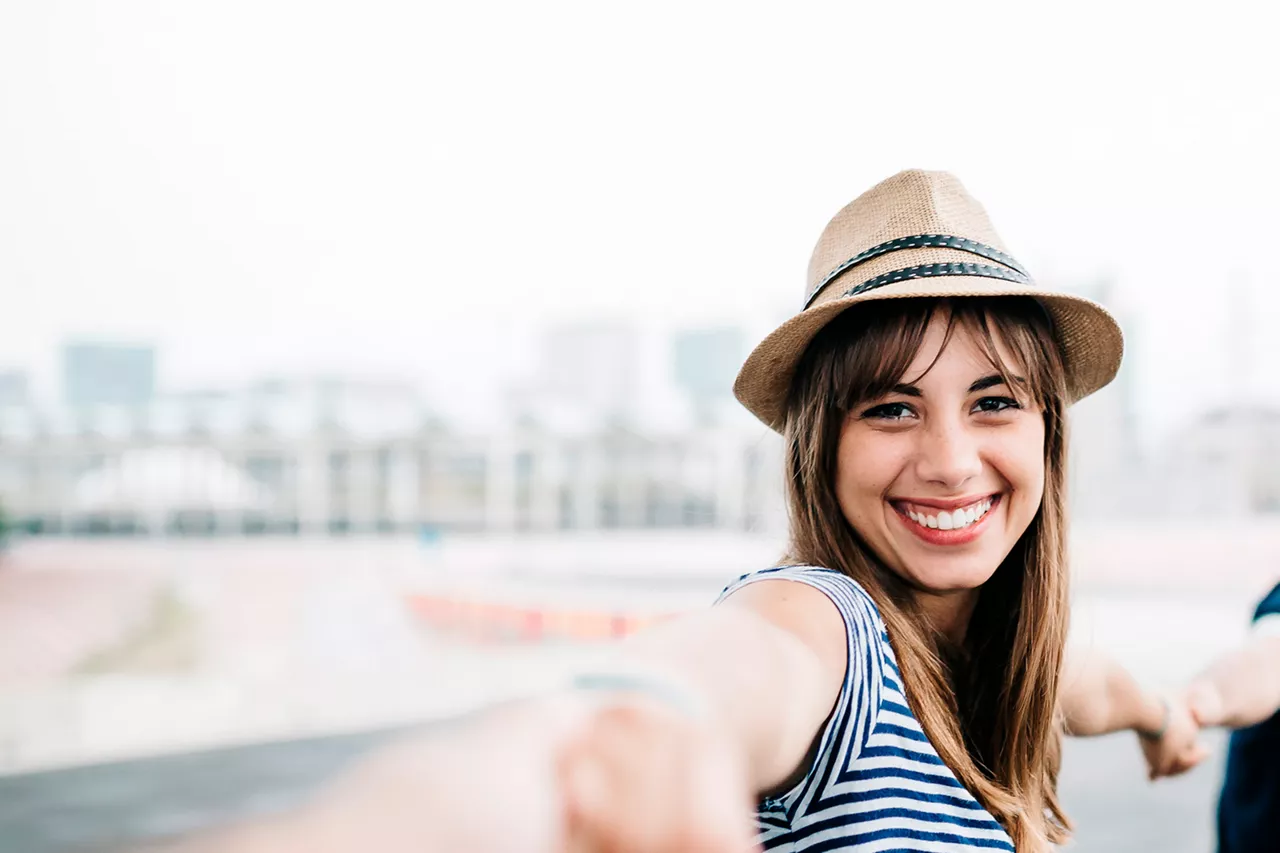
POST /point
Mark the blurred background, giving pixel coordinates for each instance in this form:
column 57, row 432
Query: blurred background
column 365, row 363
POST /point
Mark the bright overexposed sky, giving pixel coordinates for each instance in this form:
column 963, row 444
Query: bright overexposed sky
column 416, row 188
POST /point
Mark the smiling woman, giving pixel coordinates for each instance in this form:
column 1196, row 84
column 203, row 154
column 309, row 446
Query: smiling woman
column 927, row 454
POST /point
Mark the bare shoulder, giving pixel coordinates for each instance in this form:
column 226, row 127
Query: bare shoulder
column 801, row 610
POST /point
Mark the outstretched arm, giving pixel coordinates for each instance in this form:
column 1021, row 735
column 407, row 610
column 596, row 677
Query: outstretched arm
column 743, row 690
column 1098, row 696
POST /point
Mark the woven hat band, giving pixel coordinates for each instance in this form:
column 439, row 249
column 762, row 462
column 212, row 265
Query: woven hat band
column 1015, row 272
column 931, row 270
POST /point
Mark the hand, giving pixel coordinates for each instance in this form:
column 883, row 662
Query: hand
column 643, row 778
column 1178, row 749
column 1205, row 701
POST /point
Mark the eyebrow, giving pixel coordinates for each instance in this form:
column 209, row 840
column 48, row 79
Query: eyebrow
column 982, row 384
column 988, row 382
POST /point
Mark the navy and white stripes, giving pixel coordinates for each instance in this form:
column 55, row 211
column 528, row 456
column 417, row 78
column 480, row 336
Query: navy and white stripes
column 877, row 784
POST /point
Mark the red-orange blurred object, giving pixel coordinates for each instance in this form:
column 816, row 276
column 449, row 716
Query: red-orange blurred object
column 481, row 621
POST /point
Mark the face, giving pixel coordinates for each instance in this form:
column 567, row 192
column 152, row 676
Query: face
column 942, row 476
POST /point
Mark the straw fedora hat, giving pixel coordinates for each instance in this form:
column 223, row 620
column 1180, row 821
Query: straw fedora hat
column 919, row 234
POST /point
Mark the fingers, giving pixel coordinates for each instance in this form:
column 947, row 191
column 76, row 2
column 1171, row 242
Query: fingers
column 1180, row 764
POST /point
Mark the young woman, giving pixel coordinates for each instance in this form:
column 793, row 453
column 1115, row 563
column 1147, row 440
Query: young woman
column 898, row 683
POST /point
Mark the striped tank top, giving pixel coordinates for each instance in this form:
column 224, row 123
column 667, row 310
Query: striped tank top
column 876, row 783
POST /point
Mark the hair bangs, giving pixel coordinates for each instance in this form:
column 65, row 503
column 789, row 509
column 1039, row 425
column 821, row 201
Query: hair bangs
column 866, row 351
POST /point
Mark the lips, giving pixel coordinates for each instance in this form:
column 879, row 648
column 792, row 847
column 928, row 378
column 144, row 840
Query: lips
column 952, row 523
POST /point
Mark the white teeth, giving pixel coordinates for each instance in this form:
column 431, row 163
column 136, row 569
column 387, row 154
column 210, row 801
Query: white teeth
column 955, row 520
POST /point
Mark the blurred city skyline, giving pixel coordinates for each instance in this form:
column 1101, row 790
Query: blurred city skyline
column 578, row 446
column 650, row 363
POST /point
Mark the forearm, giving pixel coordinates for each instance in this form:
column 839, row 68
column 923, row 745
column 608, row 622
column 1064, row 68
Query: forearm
column 1132, row 707
column 1245, row 683
column 1099, row 696
column 759, row 684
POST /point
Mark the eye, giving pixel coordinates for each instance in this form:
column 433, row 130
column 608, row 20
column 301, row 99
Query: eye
column 888, row 412
column 996, row 404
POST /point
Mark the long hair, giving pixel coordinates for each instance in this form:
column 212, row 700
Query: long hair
column 989, row 707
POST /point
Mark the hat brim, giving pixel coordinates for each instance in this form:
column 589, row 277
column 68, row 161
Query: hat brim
column 1090, row 338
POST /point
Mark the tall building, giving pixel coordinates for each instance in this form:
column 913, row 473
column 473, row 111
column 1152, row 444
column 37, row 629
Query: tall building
column 15, row 388
column 706, row 362
column 96, row 373
column 1109, row 476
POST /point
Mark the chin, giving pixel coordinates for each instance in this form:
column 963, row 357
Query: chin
column 951, row 575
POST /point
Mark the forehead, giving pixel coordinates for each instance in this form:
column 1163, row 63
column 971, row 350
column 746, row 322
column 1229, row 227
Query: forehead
column 962, row 351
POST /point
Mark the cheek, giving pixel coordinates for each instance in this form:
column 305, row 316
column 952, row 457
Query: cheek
column 866, row 467
column 1023, row 465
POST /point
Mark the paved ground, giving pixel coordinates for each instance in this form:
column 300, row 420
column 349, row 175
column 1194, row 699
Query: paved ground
column 55, row 611
column 109, row 808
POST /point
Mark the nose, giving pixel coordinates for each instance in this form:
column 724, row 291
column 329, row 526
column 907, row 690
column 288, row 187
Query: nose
column 948, row 454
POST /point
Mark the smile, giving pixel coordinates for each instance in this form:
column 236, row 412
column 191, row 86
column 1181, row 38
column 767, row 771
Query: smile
column 954, row 526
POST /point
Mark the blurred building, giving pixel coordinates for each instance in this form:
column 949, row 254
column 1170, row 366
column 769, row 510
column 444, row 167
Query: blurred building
column 705, row 362
column 15, row 388
column 1110, row 476
column 578, row 451
column 111, row 374
column 1226, row 462
column 333, row 457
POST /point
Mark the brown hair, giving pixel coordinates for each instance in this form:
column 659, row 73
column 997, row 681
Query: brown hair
column 989, row 708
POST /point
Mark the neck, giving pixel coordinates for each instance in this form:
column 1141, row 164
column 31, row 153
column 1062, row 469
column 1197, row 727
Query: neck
column 949, row 612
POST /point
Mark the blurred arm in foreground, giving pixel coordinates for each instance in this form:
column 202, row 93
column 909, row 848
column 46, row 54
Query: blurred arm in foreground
column 721, row 706
column 1098, row 696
